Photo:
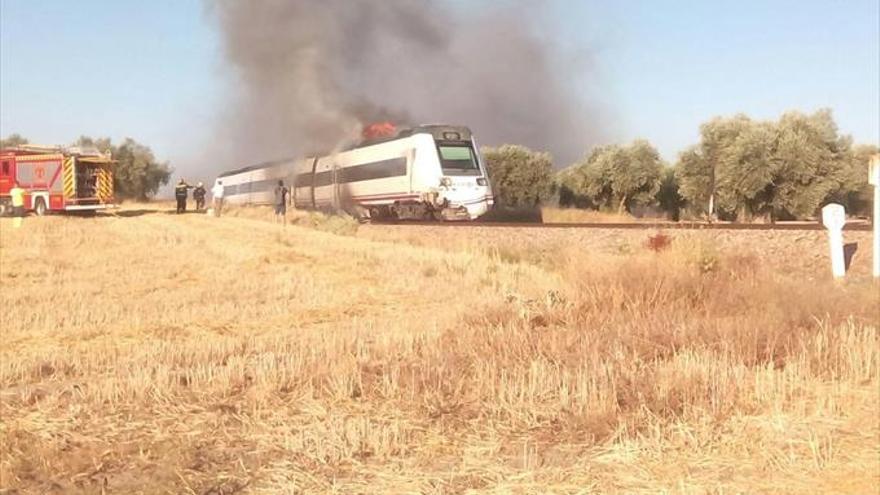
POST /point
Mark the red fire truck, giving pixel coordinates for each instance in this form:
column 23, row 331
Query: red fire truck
column 57, row 179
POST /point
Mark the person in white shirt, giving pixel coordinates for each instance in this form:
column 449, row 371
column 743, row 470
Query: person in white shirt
column 217, row 195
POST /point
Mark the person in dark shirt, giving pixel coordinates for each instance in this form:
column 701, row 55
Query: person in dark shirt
column 181, row 191
column 281, row 195
column 199, row 195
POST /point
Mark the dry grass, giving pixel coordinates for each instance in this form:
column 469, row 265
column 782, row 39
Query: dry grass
column 335, row 224
column 186, row 354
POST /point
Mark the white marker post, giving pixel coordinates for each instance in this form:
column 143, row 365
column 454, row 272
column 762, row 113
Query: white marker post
column 874, row 180
column 834, row 218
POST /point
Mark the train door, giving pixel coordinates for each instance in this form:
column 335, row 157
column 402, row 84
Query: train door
column 312, row 187
column 7, row 173
column 244, row 189
column 411, row 167
column 337, row 204
column 291, row 181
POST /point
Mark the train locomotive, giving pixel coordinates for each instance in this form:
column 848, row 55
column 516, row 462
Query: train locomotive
column 425, row 172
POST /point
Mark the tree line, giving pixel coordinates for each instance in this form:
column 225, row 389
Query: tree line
column 741, row 169
column 138, row 174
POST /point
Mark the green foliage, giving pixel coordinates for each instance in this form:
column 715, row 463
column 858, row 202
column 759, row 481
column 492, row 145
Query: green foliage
column 745, row 169
column 12, row 141
column 520, row 177
column 617, row 176
column 787, row 168
column 698, row 166
column 104, row 145
column 810, row 162
column 569, row 190
column 668, row 197
column 138, row 174
column 695, row 179
column 854, row 192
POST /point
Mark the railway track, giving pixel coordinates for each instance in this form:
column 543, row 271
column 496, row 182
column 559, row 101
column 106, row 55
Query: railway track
column 631, row 226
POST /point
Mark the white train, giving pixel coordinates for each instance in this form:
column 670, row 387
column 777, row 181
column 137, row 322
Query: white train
column 432, row 171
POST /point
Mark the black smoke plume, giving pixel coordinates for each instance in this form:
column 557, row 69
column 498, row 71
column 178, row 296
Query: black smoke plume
column 309, row 73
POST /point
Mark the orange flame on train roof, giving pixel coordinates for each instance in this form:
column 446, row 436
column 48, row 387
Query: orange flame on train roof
column 379, row 130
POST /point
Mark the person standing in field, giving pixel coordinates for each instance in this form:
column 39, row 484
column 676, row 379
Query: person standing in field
column 17, row 194
column 217, row 195
column 199, row 196
column 281, row 195
column 181, row 192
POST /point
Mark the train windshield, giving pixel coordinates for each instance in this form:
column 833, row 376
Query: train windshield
column 458, row 160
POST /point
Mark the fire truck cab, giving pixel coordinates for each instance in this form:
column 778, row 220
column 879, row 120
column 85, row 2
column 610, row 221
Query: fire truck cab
column 57, row 179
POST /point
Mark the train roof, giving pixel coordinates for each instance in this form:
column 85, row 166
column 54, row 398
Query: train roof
column 442, row 132
column 255, row 167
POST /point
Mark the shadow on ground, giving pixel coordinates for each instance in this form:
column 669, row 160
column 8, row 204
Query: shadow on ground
column 187, row 212
column 136, row 213
column 849, row 252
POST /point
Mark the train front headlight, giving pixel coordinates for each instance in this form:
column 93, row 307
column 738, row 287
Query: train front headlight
column 482, row 181
column 446, row 182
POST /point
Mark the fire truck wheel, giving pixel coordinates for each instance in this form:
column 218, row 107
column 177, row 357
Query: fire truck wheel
column 40, row 207
column 3, row 209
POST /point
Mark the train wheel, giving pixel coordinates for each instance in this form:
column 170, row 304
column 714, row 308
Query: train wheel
column 40, row 207
column 4, row 209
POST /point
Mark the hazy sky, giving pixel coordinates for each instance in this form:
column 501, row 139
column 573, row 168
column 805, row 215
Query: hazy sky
column 153, row 70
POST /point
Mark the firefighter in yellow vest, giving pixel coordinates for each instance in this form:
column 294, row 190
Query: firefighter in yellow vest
column 17, row 194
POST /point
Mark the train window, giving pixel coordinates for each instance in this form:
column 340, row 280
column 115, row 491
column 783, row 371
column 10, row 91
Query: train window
column 6, row 168
column 458, row 160
column 303, row 180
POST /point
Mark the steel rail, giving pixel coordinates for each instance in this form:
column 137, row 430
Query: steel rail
column 866, row 227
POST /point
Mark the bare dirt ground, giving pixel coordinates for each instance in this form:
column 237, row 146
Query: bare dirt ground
column 156, row 353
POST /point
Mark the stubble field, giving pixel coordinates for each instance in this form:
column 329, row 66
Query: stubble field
column 156, row 353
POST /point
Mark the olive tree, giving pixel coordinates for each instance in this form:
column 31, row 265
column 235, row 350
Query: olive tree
column 618, row 177
column 697, row 167
column 12, row 141
column 520, row 177
column 784, row 168
column 138, row 174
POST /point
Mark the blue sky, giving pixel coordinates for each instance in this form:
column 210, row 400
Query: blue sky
column 153, row 70
column 668, row 66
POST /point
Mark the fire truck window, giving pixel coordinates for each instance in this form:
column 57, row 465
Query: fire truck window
column 5, row 168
